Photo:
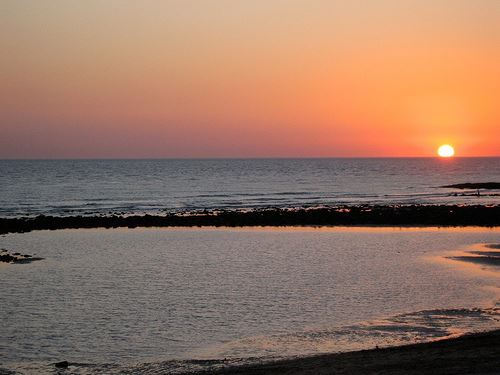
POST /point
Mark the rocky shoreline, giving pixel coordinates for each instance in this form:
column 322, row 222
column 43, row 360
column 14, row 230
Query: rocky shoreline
column 361, row 215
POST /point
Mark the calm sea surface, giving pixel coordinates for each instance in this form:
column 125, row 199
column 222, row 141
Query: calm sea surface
column 150, row 301
column 68, row 187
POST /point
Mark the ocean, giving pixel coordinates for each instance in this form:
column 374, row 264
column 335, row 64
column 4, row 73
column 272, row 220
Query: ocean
column 92, row 187
column 170, row 300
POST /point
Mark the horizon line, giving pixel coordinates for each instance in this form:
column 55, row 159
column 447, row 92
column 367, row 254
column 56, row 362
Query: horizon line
column 244, row 158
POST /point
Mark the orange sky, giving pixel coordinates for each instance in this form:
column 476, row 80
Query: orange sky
column 234, row 78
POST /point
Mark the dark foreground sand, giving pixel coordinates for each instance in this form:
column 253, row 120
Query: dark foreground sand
column 470, row 354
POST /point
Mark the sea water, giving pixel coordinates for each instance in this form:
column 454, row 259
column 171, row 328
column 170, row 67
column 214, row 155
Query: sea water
column 72, row 187
column 171, row 300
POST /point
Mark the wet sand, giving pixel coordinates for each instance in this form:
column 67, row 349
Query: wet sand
column 469, row 354
column 485, row 260
column 482, row 257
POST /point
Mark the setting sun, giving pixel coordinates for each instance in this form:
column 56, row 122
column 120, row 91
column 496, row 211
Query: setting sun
column 446, row 151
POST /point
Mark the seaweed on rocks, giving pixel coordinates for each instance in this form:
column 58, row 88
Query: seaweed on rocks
column 371, row 215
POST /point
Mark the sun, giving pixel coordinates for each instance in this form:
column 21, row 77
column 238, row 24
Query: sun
column 446, row 151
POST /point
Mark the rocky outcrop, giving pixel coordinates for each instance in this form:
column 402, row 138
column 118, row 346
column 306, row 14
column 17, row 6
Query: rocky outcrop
column 395, row 215
column 16, row 258
column 475, row 185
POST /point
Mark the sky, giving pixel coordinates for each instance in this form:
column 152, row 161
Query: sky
column 260, row 78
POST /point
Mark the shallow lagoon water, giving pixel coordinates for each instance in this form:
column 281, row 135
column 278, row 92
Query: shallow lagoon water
column 110, row 299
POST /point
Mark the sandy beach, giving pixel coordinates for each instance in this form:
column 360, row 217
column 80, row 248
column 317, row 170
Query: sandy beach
column 469, row 354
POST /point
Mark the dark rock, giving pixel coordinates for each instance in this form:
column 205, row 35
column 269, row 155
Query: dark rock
column 395, row 215
column 475, row 185
column 17, row 258
column 6, row 258
column 62, row 364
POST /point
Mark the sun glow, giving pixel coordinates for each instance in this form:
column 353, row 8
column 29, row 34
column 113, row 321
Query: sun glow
column 446, row 151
